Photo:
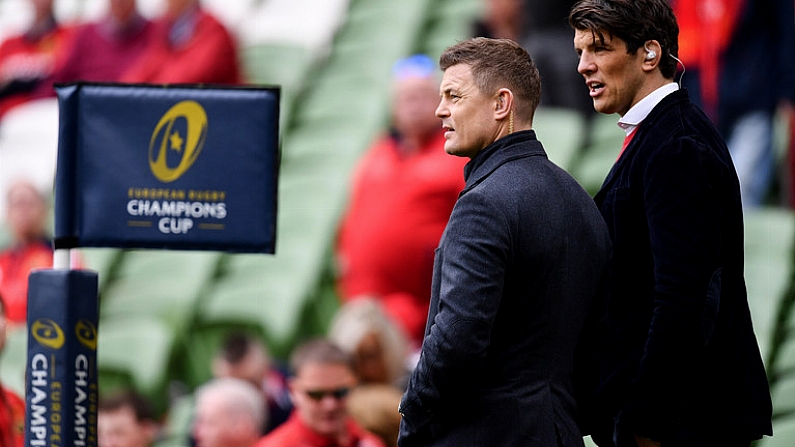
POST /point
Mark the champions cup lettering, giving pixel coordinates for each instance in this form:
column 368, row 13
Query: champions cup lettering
column 188, row 167
column 62, row 348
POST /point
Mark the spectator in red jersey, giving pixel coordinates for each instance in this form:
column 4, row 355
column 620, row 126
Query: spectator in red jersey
column 104, row 50
column 26, row 217
column 12, row 407
column 323, row 379
column 244, row 356
column 402, row 194
column 189, row 46
column 27, row 60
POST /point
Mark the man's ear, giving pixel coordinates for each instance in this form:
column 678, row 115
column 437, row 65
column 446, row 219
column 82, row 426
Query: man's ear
column 503, row 104
column 652, row 53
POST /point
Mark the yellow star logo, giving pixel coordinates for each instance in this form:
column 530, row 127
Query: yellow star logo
column 176, row 142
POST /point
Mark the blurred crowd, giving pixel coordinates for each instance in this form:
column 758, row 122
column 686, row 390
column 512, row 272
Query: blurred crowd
column 185, row 45
column 347, row 386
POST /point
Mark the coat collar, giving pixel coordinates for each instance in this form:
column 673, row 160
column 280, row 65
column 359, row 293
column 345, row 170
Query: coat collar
column 678, row 97
column 511, row 147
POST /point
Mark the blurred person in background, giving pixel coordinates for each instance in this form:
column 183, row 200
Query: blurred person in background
column 31, row 249
column 739, row 57
column 323, row 378
column 547, row 36
column 379, row 348
column 104, row 50
column 373, row 407
column 27, row 60
column 542, row 28
column 502, row 19
column 402, row 193
column 229, row 413
column 125, row 419
column 243, row 356
column 12, row 407
column 188, row 45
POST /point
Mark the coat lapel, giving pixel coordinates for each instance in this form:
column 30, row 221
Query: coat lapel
column 674, row 98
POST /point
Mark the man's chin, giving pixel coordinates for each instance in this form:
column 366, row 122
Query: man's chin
column 454, row 151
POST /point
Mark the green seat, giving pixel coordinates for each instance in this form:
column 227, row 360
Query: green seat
column 768, row 251
column 135, row 352
column 178, row 423
column 785, row 359
column 449, row 21
column 783, row 393
column 279, row 64
column 13, row 361
column 103, row 261
column 561, row 132
column 592, row 166
column 159, row 284
column 783, row 434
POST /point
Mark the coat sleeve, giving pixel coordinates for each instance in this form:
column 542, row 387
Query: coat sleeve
column 470, row 267
column 684, row 192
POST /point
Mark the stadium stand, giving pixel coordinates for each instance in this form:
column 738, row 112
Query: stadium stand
column 28, row 145
column 164, row 313
column 768, row 249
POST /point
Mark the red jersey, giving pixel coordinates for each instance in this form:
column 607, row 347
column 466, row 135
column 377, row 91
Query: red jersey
column 12, row 419
column 399, row 207
column 15, row 266
column 203, row 51
column 26, row 58
column 294, row 433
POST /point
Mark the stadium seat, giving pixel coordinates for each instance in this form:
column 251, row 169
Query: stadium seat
column 14, row 16
column 783, row 435
column 103, row 261
column 28, row 145
column 783, row 393
column 561, row 132
column 13, row 360
column 135, row 351
column 284, row 65
column 178, row 423
column 592, row 166
column 448, row 21
column 769, row 247
column 160, row 284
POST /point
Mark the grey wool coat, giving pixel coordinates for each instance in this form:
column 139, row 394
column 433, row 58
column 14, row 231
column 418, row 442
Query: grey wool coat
column 517, row 267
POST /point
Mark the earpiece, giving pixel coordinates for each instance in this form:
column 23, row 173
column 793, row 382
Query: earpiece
column 650, row 54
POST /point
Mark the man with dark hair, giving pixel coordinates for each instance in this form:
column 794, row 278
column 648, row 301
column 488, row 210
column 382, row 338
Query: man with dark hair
column 244, row 356
column 323, row 377
column 676, row 361
column 125, row 419
column 516, row 269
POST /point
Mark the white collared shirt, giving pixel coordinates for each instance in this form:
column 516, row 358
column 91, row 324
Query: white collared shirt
column 635, row 115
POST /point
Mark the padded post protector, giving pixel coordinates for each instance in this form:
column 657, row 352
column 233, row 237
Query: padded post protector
column 61, row 380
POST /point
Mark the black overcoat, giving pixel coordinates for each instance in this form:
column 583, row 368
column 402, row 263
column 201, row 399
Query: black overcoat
column 675, row 355
column 517, row 266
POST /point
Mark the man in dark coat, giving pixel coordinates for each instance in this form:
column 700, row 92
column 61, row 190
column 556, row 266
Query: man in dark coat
column 516, row 269
column 676, row 362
